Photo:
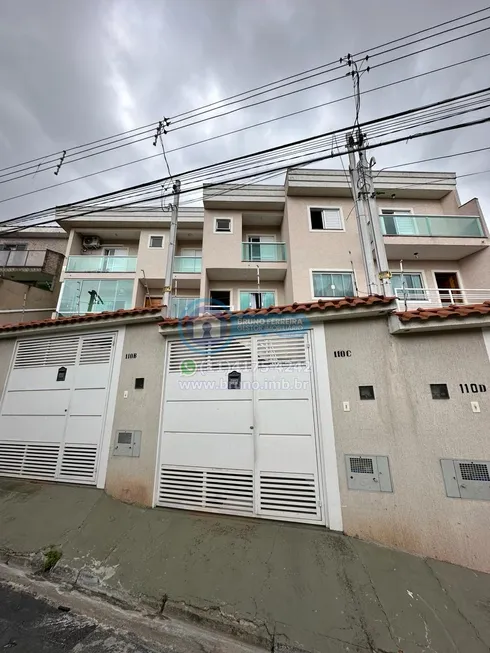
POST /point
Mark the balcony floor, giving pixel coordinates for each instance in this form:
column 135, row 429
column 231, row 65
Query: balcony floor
column 268, row 272
column 432, row 248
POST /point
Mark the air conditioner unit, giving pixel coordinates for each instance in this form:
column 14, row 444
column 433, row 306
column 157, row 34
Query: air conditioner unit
column 91, row 242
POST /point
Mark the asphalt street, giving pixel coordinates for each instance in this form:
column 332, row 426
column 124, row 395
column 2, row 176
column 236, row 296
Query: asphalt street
column 31, row 625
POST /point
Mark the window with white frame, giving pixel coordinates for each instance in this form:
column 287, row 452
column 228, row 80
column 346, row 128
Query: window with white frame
column 13, row 247
column 408, row 285
column 222, row 225
column 155, row 242
column 332, row 284
column 325, row 219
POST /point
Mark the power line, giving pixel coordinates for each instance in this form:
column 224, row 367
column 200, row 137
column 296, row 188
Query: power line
column 269, row 150
column 277, row 169
column 140, row 132
column 241, row 129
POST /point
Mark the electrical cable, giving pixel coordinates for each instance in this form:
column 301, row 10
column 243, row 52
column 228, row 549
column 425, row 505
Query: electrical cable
column 270, row 90
column 282, row 167
column 241, row 129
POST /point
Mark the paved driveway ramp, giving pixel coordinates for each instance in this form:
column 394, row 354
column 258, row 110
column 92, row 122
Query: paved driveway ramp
column 286, row 586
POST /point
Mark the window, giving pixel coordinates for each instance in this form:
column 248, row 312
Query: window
column 222, row 225
column 333, row 284
column 326, row 219
column 13, row 247
column 256, row 299
column 155, row 242
column 406, row 286
column 80, row 296
column 399, row 222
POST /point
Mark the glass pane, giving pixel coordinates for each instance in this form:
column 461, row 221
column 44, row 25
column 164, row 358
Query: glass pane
column 331, row 284
column 268, row 299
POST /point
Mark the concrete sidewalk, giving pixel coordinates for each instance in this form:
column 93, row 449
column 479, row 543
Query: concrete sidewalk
column 284, row 585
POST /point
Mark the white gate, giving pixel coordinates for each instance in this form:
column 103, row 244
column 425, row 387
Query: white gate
column 245, row 450
column 54, row 406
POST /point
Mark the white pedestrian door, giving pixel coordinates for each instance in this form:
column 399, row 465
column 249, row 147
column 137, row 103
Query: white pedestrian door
column 54, row 406
column 238, row 428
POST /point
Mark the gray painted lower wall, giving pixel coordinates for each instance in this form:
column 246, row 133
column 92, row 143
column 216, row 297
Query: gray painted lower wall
column 415, row 431
column 132, row 479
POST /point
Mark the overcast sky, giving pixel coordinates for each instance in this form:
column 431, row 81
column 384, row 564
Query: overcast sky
column 75, row 71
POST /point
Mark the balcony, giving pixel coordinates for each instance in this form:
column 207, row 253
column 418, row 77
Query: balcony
column 182, row 306
column 187, row 264
column 449, row 237
column 30, row 266
column 261, row 252
column 412, row 298
column 103, row 264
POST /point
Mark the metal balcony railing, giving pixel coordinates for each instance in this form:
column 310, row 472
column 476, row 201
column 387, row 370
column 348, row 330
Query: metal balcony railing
column 101, row 264
column 437, row 297
column 271, row 252
column 444, row 226
column 190, row 264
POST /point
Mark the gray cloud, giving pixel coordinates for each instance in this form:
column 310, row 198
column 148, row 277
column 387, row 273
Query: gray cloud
column 72, row 72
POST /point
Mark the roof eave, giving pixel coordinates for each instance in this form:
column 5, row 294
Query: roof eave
column 437, row 324
column 313, row 317
column 106, row 323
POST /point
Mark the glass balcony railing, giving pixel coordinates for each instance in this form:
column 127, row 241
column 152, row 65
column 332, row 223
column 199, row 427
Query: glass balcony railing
column 191, row 264
column 272, row 252
column 101, row 264
column 182, row 306
column 444, row 226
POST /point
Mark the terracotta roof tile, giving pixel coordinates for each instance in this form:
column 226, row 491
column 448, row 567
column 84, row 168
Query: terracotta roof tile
column 74, row 319
column 450, row 311
column 304, row 307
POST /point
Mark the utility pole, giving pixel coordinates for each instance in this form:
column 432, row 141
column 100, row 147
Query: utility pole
column 373, row 249
column 169, row 272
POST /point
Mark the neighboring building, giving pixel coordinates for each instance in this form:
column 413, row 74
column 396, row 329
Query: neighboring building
column 257, row 246
column 30, row 266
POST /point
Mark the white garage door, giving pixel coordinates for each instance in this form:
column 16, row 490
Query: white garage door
column 247, row 450
column 53, row 409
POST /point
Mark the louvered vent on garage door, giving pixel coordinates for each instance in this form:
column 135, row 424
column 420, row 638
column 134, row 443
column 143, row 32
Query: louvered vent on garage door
column 219, row 490
column 212, row 354
column 33, row 459
column 278, row 351
column 96, row 349
column 78, row 462
column 44, row 352
column 289, row 495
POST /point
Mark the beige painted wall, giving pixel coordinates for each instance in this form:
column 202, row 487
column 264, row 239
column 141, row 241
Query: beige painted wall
column 152, row 260
column 12, row 296
column 224, row 249
column 132, row 479
column 421, row 206
column 475, row 269
column 415, row 431
column 323, row 250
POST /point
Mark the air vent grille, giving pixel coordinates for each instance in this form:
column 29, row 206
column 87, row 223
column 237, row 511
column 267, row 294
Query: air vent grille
column 361, row 465
column 292, row 494
column 277, row 351
column 228, row 490
column 44, row 352
column 218, row 354
column 29, row 459
column 78, row 461
column 474, row 471
column 96, row 349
